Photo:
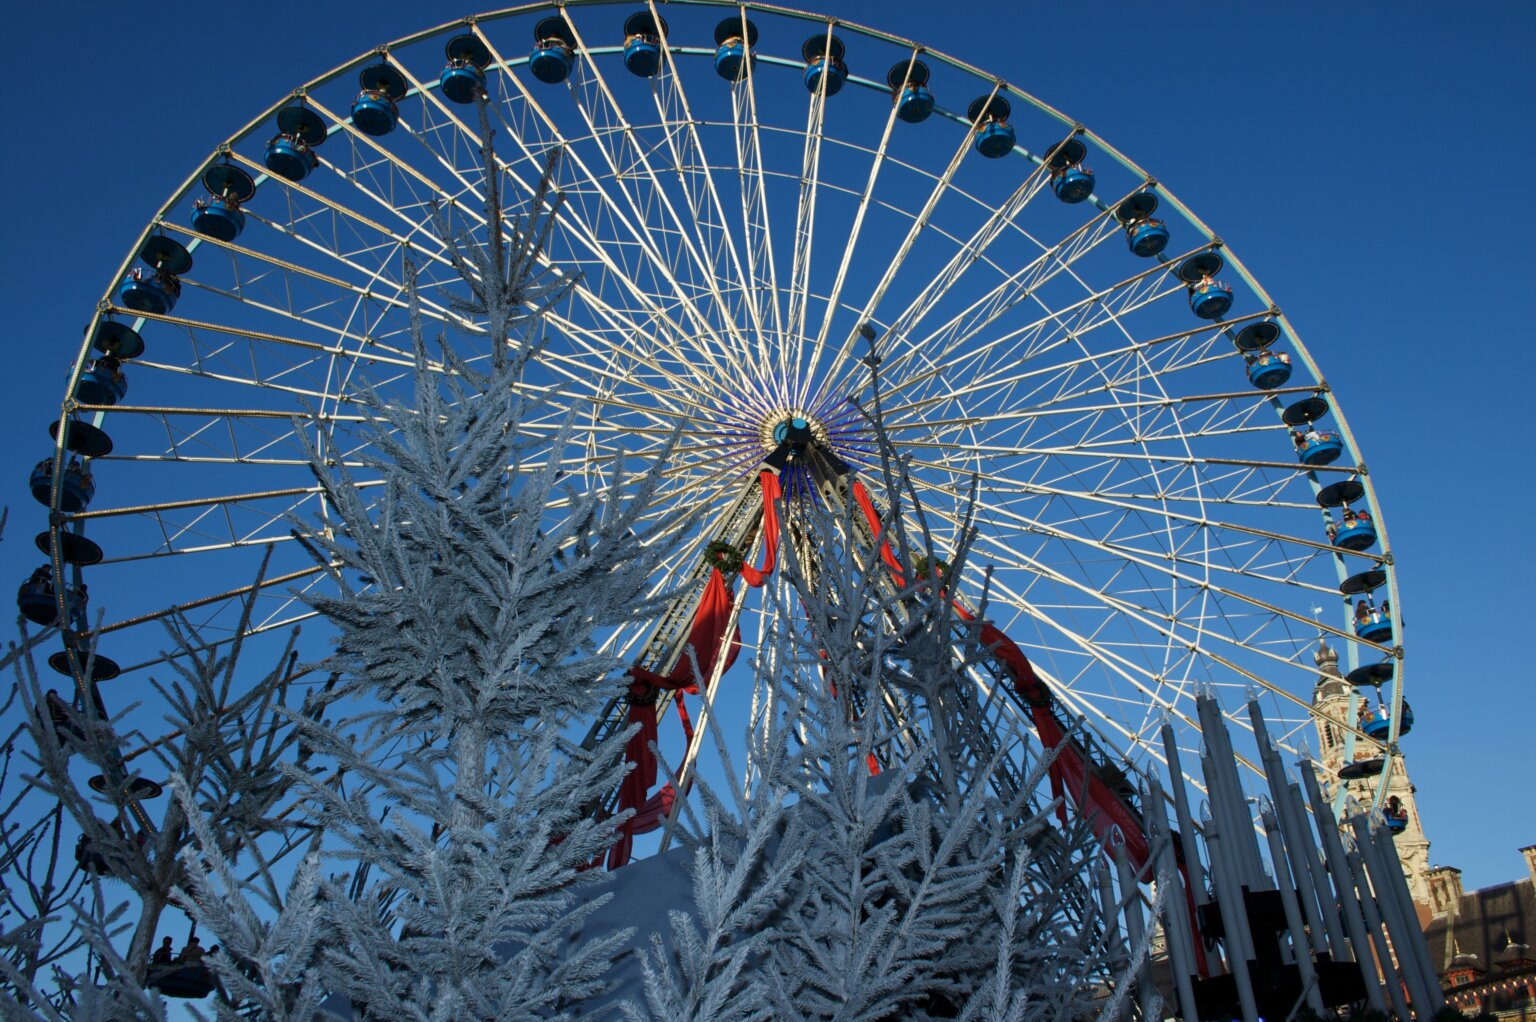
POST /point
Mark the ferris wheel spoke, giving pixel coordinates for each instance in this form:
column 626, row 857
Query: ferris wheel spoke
column 956, row 338
column 1168, row 622
column 572, row 222
column 860, row 216
column 803, row 245
column 1016, row 355
column 756, row 223
column 709, row 217
column 1001, row 488
column 616, row 126
column 965, row 257
column 919, row 222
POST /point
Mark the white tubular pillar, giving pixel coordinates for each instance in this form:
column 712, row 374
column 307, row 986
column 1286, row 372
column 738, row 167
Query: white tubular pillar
column 1378, row 935
column 1338, row 869
column 1176, row 922
column 1293, row 921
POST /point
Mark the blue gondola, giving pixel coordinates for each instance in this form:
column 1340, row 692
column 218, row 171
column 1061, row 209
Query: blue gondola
column 463, row 77
column 37, row 599
column 823, row 55
column 1319, row 447
column 1070, row 180
column 290, row 158
column 1394, row 815
column 642, row 43
column 554, row 50
column 995, row 137
column 155, row 293
column 220, row 219
column 908, row 81
column 1147, row 237
column 218, row 215
column 290, row 154
column 102, row 384
column 734, row 40
column 375, row 110
column 1374, row 627
column 1357, row 533
column 186, row 981
column 551, row 61
column 1210, row 299
column 75, row 491
column 1268, row 369
column 1377, row 723
column 1073, row 185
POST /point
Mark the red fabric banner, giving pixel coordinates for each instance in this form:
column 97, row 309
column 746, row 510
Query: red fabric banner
column 755, row 577
column 709, row 621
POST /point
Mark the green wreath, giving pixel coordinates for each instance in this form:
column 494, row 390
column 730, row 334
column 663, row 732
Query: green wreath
column 724, row 556
column 923, row 567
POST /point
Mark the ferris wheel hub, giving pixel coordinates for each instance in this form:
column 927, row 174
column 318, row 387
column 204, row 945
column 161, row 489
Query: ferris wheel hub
column 795, row 425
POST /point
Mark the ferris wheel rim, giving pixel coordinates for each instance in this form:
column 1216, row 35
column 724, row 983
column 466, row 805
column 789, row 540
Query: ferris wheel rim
column 162, row 222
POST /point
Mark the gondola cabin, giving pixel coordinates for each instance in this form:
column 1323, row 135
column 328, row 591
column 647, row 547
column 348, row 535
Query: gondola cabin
column 218, row 215
column 1374, row 627
column 642, row 43
column 1070, row 180
column 908, row 80
column 823, row 54
column 37, row 599
column 734, row 40
column 1394, row 815
column 554, row 50
column 1210, row 299
column 1355, row 533
column 463, row 77
column 1319, row 447
column 1268, row 369
column 291, row 152
column 154, row 293
column 76, row 488
column 376, row 109
column 220, row 219
column 1377, row 722
column 995, row 137
column 1147, row 237
column 103, row 383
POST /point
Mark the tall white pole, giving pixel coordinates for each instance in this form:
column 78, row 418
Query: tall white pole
column 1177, row 924
column 1378, row 935
column 1338, row 868
column 1186, row 819
column 1293, row 919
column 1234, row 918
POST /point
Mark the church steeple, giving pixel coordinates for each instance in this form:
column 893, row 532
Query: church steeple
column 1335, row 705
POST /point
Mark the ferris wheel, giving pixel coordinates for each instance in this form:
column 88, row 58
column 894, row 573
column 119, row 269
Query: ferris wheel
column 1167, row 495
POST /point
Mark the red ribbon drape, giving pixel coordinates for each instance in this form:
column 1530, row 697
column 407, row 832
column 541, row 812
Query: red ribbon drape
column 709, row 621
column 755, row 577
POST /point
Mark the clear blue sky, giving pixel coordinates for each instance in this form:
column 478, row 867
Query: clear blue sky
column 1371, row 163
